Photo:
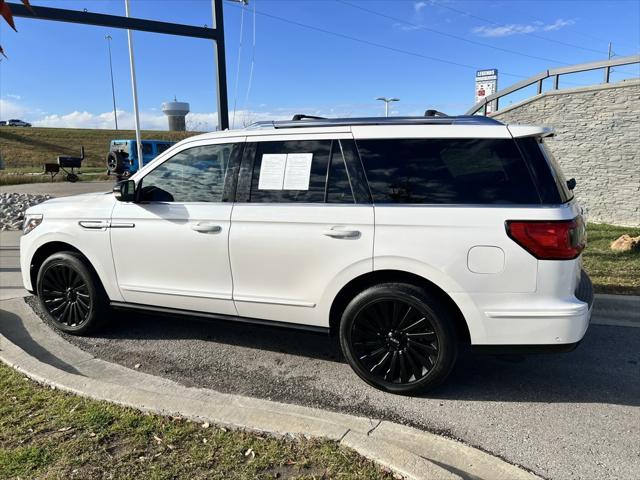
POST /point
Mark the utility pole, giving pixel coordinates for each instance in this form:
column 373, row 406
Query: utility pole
column 220, row 61
column 387, row 101
column 134, row 89
column 113, row 90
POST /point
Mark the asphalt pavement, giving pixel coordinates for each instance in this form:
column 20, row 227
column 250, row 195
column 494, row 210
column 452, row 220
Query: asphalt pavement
column 567, row 416
column 59, row 189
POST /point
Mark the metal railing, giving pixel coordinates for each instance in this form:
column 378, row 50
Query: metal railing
column 481, row 107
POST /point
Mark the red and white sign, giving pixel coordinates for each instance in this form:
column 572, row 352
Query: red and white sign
column 487, row 84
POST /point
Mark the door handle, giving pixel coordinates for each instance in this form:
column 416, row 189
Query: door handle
column 205, row 227
column 338, row 232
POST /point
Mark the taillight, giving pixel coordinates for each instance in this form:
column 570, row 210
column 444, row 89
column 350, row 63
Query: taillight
column 549, row 240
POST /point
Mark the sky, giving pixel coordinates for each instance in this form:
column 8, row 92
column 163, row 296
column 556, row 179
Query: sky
column 319, row 57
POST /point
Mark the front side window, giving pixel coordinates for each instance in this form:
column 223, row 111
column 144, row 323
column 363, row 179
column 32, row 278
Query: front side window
column 447, row 171
column 193, row 175
column 296, row 171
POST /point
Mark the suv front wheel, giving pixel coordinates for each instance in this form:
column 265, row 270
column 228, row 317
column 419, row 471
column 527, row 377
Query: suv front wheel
column 71, row 294
column 398, row 338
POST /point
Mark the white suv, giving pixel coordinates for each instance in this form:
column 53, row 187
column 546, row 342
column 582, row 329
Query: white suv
column 406, row 237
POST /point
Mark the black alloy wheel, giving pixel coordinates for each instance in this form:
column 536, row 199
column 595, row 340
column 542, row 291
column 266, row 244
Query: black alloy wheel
column 394, row 341
column 70, row 293
column 397, row 339
column 66, row 295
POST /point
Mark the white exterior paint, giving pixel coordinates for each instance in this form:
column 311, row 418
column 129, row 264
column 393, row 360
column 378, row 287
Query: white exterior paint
column 287, row 262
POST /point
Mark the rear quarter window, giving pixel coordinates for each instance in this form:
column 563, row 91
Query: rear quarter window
column 447, row 171
column 548, row 175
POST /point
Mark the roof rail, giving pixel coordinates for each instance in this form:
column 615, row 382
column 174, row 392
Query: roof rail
column 337, row 122
column 434, row 113
column 302, row 116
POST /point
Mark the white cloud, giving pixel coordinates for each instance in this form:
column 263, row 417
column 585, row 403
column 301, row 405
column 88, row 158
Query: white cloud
column 557, row 25
column 519, row 29
column 13, row 96
column 10, row 109
column 417, row 6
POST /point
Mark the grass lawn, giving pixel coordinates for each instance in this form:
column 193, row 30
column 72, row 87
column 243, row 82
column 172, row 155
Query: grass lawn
column 611, row 272
column 46, row 433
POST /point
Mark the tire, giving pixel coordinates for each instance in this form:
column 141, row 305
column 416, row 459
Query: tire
column 72, row 177
column 115, row 162
column 70, row 294
column 398, row 338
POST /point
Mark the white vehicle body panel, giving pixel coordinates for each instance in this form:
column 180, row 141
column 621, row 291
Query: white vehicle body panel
column 284, row 260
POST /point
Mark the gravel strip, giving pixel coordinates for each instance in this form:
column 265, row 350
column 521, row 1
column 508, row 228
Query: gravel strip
column 13, row 206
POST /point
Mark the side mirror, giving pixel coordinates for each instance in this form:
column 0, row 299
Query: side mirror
column 571, row 183
column 125, row 191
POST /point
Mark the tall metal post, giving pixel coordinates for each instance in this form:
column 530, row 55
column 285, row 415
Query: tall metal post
column 134, row 89
column 221, row 64
column 113, row 89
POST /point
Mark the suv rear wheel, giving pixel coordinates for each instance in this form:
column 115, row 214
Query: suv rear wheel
column 71, row 294
column 398, row 338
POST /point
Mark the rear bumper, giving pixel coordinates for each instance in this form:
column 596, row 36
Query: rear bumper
column 530, row 322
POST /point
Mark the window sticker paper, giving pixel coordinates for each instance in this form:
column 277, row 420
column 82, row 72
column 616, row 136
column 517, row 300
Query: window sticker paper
column 298, row 171
column 272, row 171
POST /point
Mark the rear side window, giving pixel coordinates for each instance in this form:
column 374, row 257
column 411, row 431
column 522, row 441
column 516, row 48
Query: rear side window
column 300, row 171
column 549, row 177
column 447, row 171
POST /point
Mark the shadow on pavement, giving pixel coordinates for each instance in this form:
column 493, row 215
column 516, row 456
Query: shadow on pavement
column 12, row 328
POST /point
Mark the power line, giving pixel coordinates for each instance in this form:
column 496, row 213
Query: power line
column 450, row 35
column 560, row 42
column 374, row 44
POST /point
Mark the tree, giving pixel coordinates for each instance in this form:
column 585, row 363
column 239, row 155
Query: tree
column 5, row 11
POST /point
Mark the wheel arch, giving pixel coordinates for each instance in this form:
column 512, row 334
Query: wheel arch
column 360, row 283
column 45, row 250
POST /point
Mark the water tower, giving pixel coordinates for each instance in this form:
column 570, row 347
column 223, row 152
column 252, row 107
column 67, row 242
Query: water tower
column 176, row 112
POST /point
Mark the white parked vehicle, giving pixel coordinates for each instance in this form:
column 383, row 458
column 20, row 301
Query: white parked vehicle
column 404, row 236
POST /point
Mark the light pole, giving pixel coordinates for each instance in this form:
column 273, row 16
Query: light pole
column 386, row 103
column 113, row 90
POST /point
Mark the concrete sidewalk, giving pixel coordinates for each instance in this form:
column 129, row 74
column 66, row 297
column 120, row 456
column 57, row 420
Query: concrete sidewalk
column 28, row 345
column 10, row 276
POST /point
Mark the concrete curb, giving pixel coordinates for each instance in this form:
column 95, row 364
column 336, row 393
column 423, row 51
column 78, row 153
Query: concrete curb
column 617, row 310
column 28, row 345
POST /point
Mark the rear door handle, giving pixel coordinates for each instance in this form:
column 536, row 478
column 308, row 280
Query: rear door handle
column 206, row 227
column 340, row 232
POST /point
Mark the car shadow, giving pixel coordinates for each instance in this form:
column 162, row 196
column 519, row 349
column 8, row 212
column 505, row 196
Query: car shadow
column 605, row 368
column 148, row 326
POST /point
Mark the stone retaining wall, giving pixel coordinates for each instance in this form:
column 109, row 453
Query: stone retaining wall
column 597, row 142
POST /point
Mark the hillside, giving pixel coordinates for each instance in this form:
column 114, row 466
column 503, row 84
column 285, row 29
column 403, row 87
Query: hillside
column 31, row 148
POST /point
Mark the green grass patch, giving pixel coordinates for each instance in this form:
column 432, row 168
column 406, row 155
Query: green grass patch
column 611, row 272
column 46, row 433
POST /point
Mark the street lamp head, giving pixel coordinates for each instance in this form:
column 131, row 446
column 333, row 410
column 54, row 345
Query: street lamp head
column 107, row 37
column 394, row 99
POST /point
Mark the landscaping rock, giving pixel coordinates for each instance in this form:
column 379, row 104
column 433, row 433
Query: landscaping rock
column 13, row 206
column 626, row 243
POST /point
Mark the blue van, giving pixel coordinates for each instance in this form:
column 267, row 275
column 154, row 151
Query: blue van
column 122, row 159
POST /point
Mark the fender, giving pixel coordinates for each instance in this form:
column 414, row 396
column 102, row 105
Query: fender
column 94, row 244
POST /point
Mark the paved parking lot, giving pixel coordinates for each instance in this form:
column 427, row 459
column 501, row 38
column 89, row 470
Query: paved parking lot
column 565, row 416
